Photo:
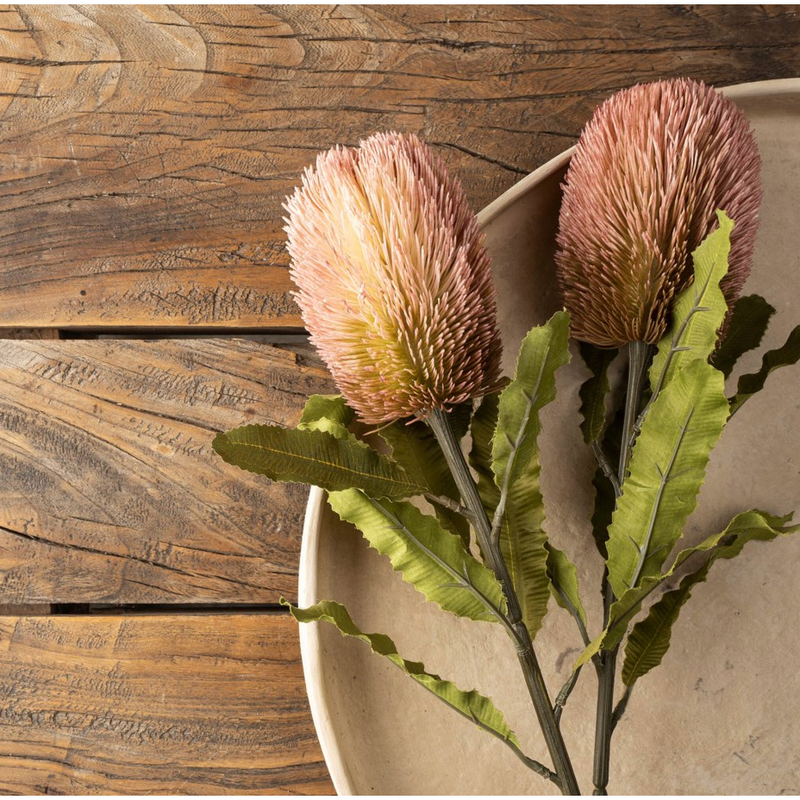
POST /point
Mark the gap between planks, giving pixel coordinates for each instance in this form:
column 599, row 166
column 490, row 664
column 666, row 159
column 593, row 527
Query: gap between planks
column 108, row 609
column 267, row 335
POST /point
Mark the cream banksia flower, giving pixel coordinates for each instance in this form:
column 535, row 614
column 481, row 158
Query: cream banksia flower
column 651, row 168
column 395, row 285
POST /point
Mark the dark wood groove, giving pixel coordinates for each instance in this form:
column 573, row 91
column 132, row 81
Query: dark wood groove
column 112, row 609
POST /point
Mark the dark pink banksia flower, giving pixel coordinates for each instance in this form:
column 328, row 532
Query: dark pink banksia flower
column 395, row 285
column 651, row 168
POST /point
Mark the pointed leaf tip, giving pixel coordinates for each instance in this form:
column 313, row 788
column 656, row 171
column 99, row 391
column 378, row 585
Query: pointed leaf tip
column 650, row 638
column 785, row 356
column 699, row 310
column 472, row 704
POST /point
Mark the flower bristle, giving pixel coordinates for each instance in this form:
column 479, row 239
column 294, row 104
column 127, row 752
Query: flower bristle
column 394, row 283
column 651, row 168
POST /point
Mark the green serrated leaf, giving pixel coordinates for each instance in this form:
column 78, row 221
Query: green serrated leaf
column 472, row 705
column 605, row 499
column 699, row 310
column 622, row 612
column 316, row 457
column 433, row 561
column 484, row 424
column 747, row 325
column 751, row 384
column 416, row 449
column 460, row 418
column 650, row 638
column 515, row 464
column 594, row 390
column 543, row 351
column 564, row 581
column 329, row 413
column 666, row 472
column 628, row 606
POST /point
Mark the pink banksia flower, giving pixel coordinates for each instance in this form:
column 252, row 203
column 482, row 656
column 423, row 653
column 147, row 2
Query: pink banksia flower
column 394, row 282
column 651, row 168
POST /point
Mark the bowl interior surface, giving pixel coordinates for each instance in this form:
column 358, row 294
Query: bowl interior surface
column 721, row 714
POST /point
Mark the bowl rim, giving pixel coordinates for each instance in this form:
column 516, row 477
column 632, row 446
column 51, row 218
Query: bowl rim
column 310, row 648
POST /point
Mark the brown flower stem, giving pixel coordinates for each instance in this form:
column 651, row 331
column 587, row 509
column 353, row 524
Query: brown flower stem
column 440, row 424
column 639, row 357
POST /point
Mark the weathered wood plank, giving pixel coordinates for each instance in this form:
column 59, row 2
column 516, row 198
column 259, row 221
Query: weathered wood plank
column 190, row 704
column 111, row 492
column 145, row 151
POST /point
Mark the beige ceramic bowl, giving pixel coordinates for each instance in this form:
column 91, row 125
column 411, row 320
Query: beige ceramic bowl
column 722, row 713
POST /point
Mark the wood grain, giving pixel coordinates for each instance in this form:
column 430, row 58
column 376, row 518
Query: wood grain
column 190, row 704
column 145, row 151
column 144, row 155
column 111, row 492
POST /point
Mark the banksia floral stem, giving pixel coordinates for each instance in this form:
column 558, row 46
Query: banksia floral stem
column 439, row 422
column 394, row 282
column 651, row 168
column 639, row 354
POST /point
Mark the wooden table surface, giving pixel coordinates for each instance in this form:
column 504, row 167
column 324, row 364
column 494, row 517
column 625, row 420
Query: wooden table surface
column 145, row 303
